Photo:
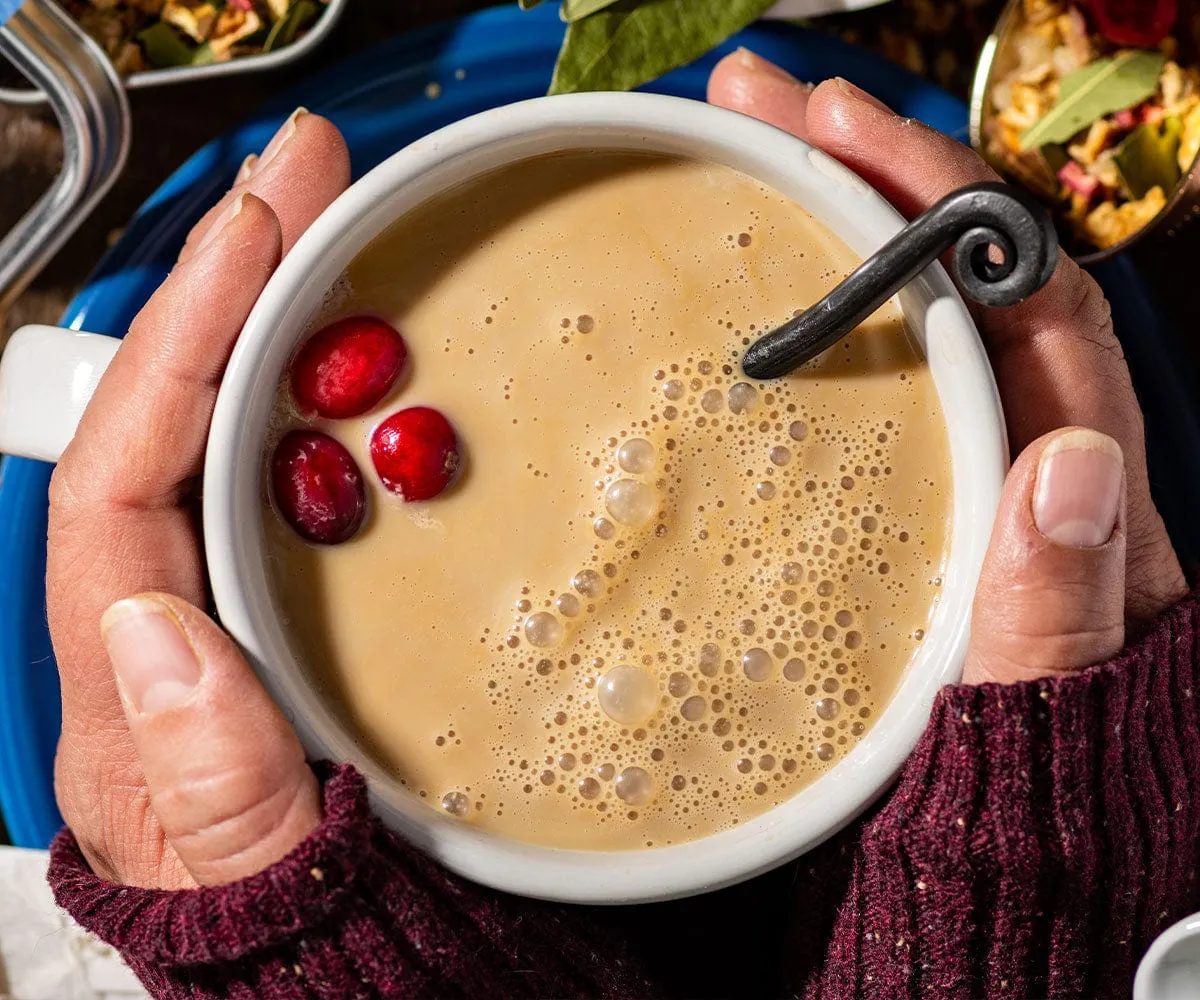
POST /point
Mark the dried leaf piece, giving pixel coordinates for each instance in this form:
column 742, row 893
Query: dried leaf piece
column 233, row 25
column 1148, row 157
column 283, row 32
column 630, row 43
column 194, row 18
column 575, row 10
column 1105, row 86
column 163, row 46
column 1189, row 143
column 1108, row 224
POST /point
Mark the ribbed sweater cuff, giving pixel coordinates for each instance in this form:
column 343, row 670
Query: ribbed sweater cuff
column 1041, row 835
column 351, row 912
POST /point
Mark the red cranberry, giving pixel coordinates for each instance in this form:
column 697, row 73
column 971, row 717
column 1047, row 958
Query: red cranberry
column 318, row 487
column 1137, row 23
column 346, row 368
column 415, row 453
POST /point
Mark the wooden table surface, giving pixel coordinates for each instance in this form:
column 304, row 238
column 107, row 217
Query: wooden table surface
column 937, row 37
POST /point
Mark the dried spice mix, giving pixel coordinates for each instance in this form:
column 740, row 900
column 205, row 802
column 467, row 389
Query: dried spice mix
column 1100, row 112
column 141, row 35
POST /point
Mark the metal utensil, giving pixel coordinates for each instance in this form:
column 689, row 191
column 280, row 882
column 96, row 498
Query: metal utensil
column 976, row 220
column 89, row 102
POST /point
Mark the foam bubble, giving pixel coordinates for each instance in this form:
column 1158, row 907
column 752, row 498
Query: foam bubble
column 634, row 786
column 743, row 398
column 588, row 583
column 543, row 629
column 636, row 455
column 693, row 709
column 710, row 659
column 828, row 708
column 757, row 664
column 630, row 502
column 627, row 694
column 456, row 804
column 712, row 401
column 567, row 605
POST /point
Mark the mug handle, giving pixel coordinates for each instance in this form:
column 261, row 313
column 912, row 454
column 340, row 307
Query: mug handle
column 47, row 377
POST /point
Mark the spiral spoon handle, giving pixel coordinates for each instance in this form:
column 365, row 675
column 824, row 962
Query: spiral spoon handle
column 971, row 219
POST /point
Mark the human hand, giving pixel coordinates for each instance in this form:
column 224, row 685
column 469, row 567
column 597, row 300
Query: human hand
column 1079, row 557
column 190, row 775
column 187, row 774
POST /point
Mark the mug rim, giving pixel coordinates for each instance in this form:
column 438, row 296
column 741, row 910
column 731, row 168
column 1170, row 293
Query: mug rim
column 294, row 296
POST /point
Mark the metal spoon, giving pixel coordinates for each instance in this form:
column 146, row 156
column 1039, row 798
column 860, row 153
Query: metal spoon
column 971, row 219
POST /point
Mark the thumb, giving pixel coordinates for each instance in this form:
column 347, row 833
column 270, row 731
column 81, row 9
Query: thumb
column 227, row 777
column 1051, row 597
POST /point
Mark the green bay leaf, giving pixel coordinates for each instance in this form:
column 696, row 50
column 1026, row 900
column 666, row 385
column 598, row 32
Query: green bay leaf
column 528, row 4
column 1148, row 158
column 576, row 10
column 629, row 43
column 164, row 47
column 1098, row 89
column 283, row 31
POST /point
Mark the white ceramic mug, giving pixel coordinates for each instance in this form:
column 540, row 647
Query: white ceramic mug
column 1170, row 969
column 47, row 376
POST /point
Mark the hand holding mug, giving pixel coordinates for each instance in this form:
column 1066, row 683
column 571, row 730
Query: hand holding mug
column 216, row 788
column 1079, row 556
column 176, row 769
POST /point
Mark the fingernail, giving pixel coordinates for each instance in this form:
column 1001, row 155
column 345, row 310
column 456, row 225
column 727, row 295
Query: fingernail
column 155, row 664
column 246, row 170
column 1078, row 488
column 221, row 221
column 757, row 64
column 279, row 140
column 858, row 94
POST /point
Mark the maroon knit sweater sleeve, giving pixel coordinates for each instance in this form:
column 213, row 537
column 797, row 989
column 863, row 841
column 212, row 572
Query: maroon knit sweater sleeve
column 351, row 913
column 1041, row 836
column 1038, row 839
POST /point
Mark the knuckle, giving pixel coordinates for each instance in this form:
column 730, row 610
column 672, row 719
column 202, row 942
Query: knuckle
column 220, row 815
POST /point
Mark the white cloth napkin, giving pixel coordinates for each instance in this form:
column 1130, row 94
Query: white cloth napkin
column 44, row 955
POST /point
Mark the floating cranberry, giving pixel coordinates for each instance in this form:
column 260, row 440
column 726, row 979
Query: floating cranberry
column 318, row 487
column 1138, row 23
column 347, row 367
column 415, row 453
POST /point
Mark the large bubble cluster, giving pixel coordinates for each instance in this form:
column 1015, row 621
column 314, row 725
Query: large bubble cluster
column 711, row 716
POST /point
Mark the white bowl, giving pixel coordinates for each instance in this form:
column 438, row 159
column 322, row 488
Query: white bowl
column 232, row 489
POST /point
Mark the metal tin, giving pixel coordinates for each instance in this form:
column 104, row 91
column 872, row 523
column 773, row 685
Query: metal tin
column 182, row 74
column 1182, row 210
column 93, row 113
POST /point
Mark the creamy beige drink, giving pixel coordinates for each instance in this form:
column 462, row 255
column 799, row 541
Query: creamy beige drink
column 658, row 599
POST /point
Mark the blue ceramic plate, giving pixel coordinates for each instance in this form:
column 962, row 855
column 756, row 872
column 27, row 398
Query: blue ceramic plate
column 380, row 102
